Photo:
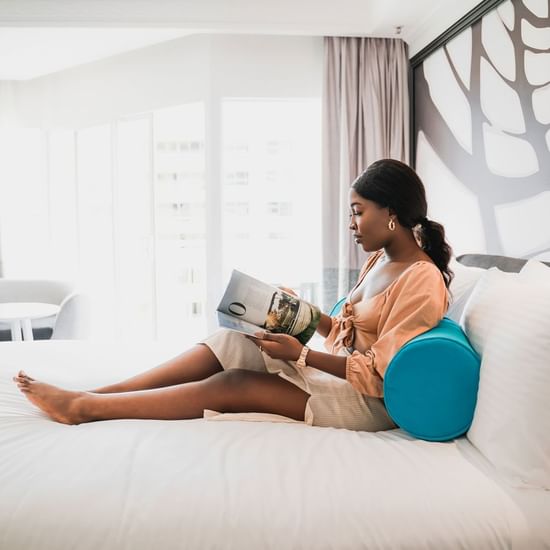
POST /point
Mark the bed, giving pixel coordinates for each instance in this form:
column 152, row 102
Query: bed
column 233, row 483
column 226, row 481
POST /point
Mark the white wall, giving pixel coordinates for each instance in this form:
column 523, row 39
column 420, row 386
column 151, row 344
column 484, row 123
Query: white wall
column 8, row 114
column 181, row 70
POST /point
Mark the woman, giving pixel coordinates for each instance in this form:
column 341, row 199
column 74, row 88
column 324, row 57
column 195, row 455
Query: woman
column 401, row 292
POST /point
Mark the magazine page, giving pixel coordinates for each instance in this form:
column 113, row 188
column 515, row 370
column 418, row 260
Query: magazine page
column 234, row 323
column 268, row 307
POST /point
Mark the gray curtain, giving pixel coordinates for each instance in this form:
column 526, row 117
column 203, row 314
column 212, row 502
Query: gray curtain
column 365, row 118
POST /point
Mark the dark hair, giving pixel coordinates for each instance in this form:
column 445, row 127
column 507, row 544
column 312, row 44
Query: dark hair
column 393, row 184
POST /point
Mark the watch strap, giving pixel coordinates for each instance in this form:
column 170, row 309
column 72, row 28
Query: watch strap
column 301, row 362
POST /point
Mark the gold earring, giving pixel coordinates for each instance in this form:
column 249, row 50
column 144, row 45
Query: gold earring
column 391, row 224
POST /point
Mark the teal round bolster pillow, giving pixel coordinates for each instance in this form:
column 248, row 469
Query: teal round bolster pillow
column 430, row 385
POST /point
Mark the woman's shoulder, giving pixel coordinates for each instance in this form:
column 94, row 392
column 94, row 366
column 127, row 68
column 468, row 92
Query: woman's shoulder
column 422, row 271
column 421, row 277
column 421, row 288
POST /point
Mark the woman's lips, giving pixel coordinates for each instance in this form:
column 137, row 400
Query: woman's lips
column 357, row 238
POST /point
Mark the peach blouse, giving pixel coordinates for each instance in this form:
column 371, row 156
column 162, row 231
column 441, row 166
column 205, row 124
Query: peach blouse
column 370, row 332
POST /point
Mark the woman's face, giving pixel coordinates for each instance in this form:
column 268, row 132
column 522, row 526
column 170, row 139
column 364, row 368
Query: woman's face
column 368, row 222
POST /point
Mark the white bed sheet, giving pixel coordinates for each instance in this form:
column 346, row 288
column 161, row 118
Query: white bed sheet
column 134, row 484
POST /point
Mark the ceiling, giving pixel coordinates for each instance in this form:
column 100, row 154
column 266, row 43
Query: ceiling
column 30, row 52
column 39, row 37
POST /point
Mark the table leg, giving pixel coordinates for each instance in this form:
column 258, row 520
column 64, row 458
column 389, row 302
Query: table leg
column 16, row 330
column 27, row 330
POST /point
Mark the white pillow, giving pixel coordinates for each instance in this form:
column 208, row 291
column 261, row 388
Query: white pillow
column 536, row 270
column 507, row 320
column 464, row 280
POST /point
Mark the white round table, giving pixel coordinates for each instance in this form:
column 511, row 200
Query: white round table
column 20, row 314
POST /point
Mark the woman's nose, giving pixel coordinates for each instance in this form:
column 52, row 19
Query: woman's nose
column 352, row 225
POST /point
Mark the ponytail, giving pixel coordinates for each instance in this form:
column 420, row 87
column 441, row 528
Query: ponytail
column 432, row 238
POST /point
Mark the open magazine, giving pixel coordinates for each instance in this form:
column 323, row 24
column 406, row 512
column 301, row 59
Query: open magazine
column 250, row 306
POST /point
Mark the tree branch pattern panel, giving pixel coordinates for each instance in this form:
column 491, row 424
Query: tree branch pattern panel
column 482, row 132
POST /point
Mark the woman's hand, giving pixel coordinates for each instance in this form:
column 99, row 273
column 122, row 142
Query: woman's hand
column 279, row 346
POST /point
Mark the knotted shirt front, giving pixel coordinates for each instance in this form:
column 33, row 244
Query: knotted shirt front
column 371, row 331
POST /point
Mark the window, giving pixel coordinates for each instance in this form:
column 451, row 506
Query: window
column 24, row 206
column 279, row 208
column 236, row 178
column 126, row 210
column 180, row 224
column 236, row 208
column 277, row 237
column 94, row 187
column 133, row 230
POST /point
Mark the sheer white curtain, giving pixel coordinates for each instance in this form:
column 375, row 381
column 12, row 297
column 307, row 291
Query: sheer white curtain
column 365, row 118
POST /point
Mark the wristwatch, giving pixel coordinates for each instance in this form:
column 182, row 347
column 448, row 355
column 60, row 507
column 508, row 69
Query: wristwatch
column 301, row 362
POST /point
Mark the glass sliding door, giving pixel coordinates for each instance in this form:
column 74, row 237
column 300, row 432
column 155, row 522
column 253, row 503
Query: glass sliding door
column 25, row 228
column 271, row 191
column 180, row 222
column 95, row 225
column 63, row 203
column 134, row 230
column 121, row 208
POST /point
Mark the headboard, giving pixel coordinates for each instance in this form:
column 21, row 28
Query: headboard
column 504, row 263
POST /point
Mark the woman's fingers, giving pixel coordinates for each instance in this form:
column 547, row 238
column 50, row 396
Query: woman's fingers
column 274, row 336
column 267, row 342
column 289, row 291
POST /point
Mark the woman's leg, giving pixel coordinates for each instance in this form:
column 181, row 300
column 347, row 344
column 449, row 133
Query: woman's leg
column 235, row 390
column 195, row 364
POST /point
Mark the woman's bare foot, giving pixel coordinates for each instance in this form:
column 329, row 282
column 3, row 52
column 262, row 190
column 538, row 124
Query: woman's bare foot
column 62, row 405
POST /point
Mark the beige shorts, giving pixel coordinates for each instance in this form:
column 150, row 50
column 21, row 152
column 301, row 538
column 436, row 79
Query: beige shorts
column 333, row 401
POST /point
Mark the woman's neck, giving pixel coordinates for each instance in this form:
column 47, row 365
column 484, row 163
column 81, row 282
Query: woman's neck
column 404, row 248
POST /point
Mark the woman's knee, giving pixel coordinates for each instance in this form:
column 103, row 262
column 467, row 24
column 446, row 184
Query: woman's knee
column 241, row 390
column 234, row 379
column 235, row 351
column 229, row 337
column 234, row 388
column 238, row 385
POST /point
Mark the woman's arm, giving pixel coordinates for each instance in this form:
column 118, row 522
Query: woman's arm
column 333, row 364
column 286, row 347
column 324, row 326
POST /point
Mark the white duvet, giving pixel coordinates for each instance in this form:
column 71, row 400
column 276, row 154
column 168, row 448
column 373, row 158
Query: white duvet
column 194, row 484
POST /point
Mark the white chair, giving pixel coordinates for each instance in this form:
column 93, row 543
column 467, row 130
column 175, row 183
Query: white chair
column 73, row 320
column 73, row 312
